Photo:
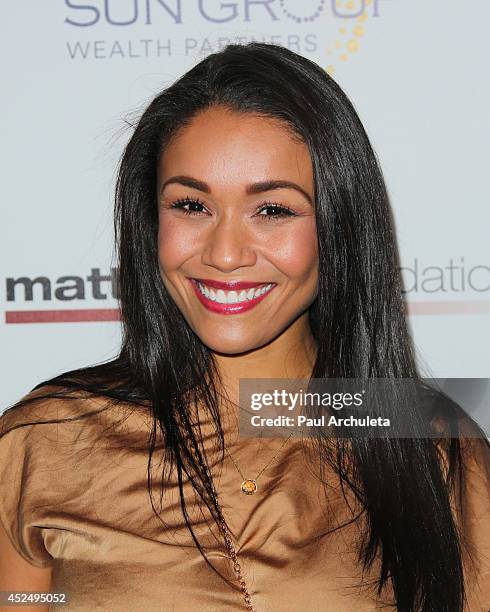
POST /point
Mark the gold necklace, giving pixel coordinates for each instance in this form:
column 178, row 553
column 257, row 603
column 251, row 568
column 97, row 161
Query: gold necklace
column 249, row 485
column 237, row 568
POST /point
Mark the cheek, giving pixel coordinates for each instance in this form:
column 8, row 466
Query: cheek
column 174, row 243
column 295, row 253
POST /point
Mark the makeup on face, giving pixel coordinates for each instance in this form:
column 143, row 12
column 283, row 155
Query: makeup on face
column 237, row 233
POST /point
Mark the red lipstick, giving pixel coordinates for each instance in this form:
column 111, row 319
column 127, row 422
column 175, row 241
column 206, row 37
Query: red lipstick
column 235, row 308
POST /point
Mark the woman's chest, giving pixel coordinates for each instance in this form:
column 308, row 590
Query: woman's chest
column 111, row 551
column 124, row 572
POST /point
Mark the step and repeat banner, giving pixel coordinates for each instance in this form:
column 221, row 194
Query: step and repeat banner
column 75, row 73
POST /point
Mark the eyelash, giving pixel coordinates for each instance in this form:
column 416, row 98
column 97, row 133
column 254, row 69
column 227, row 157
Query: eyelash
column 284, row 210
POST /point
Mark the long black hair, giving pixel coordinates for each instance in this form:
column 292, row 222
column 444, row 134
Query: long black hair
column 358, row 319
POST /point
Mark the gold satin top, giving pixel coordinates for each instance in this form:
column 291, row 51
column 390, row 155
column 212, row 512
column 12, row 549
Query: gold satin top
column 74, row 496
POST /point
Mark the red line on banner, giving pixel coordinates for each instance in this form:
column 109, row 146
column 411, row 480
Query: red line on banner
column 62, row 316
column 113, row 314
column 449, row 307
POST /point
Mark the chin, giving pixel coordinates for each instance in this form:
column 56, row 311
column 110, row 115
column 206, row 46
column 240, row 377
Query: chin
column 231, row 346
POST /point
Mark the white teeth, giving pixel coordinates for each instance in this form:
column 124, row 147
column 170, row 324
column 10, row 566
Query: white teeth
column 262, row 290
column 221, row 296
column 232, row 297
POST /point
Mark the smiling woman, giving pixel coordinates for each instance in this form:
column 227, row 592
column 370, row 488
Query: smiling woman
column 255, row 240
column 249, row 226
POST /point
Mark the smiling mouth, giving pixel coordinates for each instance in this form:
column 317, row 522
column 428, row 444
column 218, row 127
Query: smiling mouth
column 231, row 301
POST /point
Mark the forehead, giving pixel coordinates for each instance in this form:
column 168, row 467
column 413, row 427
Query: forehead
column 220, row 144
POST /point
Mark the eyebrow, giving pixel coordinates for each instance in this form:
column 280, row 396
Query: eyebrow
column 251, row 189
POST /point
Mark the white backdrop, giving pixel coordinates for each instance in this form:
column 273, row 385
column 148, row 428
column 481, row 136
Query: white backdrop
column 416, row 72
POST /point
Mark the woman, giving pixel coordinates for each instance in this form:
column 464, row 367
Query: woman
column 121, row 482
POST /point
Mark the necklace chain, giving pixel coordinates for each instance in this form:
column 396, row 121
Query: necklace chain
column 227, row 535
column 266, row 465
column 234, row 557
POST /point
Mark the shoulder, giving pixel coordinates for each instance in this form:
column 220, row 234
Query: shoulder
column 53, row 421
column 46, row 403
column 471, row 475
column 31, row 459
column 476, row 526
column 467, row 453
column 54, row 445
column 47, row 439
column 55, row 404
column 473, row 519
column 34, row 420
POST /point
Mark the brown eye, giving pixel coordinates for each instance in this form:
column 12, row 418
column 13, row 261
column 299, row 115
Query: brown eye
column 193, row 203
column 279, row 211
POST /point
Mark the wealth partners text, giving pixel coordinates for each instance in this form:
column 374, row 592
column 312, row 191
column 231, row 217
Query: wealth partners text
column 290, row 401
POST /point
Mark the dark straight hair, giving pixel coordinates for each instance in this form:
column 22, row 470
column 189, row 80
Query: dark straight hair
column 404, row 486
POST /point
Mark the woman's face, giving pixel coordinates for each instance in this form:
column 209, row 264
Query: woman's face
column 229, row 225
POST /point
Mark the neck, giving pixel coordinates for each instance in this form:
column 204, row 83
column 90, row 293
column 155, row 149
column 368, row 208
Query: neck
column 291, row 355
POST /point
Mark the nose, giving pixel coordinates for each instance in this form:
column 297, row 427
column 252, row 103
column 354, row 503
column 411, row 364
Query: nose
column 228, row 247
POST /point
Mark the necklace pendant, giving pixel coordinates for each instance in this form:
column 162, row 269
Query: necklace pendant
column 249, row 486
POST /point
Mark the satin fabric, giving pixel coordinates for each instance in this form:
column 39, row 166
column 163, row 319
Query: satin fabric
column 74, row 497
